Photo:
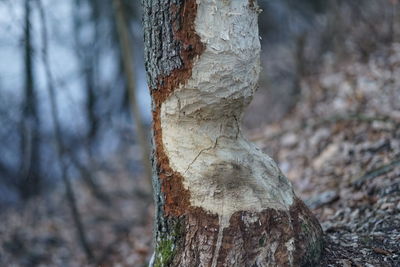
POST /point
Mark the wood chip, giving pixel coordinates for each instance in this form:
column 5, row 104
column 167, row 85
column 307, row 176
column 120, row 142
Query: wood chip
column 381, row 251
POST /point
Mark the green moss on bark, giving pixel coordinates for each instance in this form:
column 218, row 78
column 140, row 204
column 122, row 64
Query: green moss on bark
column 167, row 245
column 164, row 253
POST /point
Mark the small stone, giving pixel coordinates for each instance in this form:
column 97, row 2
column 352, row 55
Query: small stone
column 289, row 140
column 387, row 206
column 395, row 114
column 381, row 125
column 346, row 263
column 355, row 214
column 284, row 166
column 325, row 156
column 319, row 135
column 357, row 196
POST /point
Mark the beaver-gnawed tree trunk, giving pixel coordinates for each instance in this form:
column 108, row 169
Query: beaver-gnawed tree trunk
column 219, row 200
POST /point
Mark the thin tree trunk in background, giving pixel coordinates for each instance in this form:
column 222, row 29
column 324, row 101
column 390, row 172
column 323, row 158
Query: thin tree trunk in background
column 60, row 150
column 86, row 55
column 91, row 74
column 89, row 179
column 219, row 200
column 127, row 61
column 301, row 68
column 86, row 52
column 91, row 107
column 30, row 165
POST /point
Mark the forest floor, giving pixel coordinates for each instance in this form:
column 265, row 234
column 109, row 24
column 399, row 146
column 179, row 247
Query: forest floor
column 340, row 147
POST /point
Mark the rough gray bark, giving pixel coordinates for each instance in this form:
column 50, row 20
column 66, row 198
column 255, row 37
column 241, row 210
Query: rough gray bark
column 219, row 200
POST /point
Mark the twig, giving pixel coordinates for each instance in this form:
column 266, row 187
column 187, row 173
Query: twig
column 376, row 172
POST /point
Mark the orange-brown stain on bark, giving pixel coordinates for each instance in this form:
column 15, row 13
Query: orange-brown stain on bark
column 177, row 198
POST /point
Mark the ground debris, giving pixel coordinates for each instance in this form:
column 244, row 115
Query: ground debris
column 344, row 159
column 42, row 233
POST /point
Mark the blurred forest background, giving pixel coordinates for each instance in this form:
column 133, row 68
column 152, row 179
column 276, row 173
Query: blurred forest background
column 75, row 126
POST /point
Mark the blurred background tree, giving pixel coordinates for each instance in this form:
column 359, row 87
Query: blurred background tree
column 90, row 90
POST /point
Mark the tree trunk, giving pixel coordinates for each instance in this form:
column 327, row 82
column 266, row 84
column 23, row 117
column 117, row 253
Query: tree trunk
column 128, row 67
column 219, row 200
column 30, row 183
